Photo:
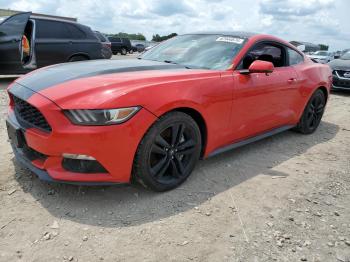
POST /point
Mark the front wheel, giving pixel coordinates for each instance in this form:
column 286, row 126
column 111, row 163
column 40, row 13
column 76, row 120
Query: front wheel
column 168, row 152
column 313, row 113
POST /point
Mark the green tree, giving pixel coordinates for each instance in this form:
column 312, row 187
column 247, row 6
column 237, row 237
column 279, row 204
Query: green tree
column 323, row 47
column 137, row 36
column 158, row 38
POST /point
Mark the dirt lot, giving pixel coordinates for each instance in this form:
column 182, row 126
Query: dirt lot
column 285, row 198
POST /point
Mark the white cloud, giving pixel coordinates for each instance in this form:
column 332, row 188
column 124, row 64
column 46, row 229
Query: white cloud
column 315, row 21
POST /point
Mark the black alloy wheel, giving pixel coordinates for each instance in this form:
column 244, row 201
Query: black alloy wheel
column 313, row 113
column 168, row 152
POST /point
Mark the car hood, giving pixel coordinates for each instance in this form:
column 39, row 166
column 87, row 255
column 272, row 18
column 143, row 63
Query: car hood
column 97, row 84
column 340, row 64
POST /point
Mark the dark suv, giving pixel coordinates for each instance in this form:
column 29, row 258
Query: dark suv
column 120, row 45
column 28, row 42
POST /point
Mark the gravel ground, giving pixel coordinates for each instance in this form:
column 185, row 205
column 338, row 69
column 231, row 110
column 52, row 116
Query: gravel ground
column 285, row 198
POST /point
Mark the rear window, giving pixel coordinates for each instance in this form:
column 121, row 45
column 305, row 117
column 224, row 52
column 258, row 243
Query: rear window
column 101, row 37
column 114, row 39
column 75, row 32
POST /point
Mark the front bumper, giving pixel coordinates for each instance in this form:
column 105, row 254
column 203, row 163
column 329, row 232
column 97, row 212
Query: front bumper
column 113, row 146
column 341, row 83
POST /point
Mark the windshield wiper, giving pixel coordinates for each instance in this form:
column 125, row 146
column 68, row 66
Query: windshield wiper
column 170, row 62
column 174, row 63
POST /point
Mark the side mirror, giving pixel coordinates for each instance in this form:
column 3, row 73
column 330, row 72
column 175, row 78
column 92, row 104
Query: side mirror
column 258, row 66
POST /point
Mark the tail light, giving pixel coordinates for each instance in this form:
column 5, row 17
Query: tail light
column 12, row 102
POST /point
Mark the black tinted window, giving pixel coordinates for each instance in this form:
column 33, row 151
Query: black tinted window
column 265, row 52
column 101, row 37
column 294, row 57
column 75, row 32
column 114, row 39
column 14, row 25
column 51, row 29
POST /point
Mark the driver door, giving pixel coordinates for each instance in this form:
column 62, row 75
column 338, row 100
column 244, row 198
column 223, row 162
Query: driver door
column 263, row 102
column 11, row 32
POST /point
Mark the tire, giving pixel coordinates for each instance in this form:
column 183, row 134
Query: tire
column 78, row 58
column 312, row 114
column 168, row 152
column 123, row 51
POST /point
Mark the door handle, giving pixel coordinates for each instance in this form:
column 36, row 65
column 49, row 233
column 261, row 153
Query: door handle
column 292, row 80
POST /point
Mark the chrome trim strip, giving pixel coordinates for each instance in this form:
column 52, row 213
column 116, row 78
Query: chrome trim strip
column 340, row 77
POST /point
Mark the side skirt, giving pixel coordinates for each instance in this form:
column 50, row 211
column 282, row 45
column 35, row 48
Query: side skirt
column 250, row 140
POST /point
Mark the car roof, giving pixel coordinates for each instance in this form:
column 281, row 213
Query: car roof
column 54, row 19
column 230, row 33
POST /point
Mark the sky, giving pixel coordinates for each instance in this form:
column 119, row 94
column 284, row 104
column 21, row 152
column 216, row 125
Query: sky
column 316, row 21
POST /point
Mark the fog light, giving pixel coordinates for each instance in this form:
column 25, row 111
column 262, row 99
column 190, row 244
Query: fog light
column 76, row 156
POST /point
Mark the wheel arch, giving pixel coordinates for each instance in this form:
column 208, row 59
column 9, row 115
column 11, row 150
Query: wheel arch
column 79, row 54
column 325, row 92
column 200, row 121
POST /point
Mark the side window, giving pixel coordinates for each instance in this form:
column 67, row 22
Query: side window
column 75, row 32
column 14, row 25
column 294, row 57
column 266, row 52
column 51, row 29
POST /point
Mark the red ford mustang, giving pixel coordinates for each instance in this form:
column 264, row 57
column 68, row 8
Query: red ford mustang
column 150, row 119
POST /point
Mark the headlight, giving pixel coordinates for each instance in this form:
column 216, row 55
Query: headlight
column 100, row 117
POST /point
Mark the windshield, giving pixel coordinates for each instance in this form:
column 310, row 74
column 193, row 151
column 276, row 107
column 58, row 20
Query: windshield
column 323, row 53
column 197, row 51
column 346, row 56
column 2, row 19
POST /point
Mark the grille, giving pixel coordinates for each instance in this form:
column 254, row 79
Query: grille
column 32, row 154
column 341, row 72
column 340, row 83
column 32, row 116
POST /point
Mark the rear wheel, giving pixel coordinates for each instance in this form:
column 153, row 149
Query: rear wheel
column 123, row 51
column 313, row 113
column 168, row 152
column 78, row 58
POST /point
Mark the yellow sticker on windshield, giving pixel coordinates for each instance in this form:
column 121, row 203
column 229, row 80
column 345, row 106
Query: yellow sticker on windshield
column 229, row 39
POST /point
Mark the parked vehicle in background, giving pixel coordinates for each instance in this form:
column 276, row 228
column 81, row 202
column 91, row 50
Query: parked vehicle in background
column 139, row 47
column 337, row 54
column 120, row 45
column 322, row 57
column 50, row 41
column 151, row 46
column 152, row 118
column 341, row 72
column 106, row 45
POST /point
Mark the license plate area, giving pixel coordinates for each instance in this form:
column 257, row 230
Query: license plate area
column 15, row 135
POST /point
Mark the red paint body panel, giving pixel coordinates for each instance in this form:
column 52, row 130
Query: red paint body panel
column 234, row 107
